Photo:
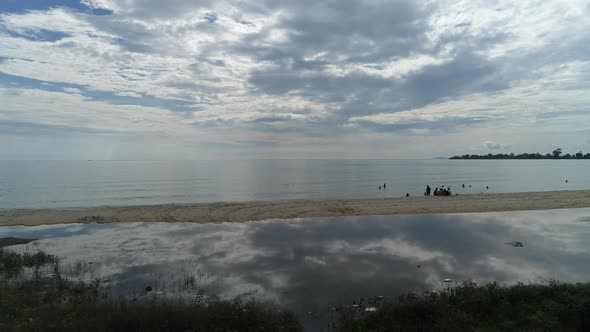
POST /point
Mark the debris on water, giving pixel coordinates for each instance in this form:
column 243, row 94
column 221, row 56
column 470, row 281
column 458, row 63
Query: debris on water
column 149, row 289
column 448, row 280
column 370, row 309
column 515, row 244
column 418, row 266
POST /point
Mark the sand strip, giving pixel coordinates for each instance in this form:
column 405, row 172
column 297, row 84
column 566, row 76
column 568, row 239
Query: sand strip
column 248, row 211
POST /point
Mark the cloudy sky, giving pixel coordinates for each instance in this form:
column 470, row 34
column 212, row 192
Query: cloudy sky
column 176, row 79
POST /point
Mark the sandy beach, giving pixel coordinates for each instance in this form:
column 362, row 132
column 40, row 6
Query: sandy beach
column 250, row 211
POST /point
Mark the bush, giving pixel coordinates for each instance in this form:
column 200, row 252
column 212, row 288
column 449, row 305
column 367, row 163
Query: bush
column 470, row 307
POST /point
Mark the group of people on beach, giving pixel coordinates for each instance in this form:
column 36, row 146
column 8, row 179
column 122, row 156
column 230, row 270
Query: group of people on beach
column 442, row 191
column 438, row 191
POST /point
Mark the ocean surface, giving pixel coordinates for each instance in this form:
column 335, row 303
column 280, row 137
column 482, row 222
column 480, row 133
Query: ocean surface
column 311, row 266
column 72, row 184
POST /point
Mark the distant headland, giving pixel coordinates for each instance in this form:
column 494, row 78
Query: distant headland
column 556, row 154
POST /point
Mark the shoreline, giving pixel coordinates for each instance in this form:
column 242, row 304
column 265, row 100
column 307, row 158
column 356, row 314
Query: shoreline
column 252, row 211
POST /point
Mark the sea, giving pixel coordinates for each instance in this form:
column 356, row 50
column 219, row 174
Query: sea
column 78, row 184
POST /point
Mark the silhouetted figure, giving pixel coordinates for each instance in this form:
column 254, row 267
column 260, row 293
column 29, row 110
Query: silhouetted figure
column 469, row 186
column 487, row 188
column 428, row 190
column 384, row 185
column 565, row 181
column 435, row 191
column 463, row 185
column 407, row 194
column 379, row 187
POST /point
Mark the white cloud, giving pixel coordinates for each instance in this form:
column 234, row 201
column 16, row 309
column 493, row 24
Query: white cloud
column 76, row 111
column 99, row 4
column 72, row 90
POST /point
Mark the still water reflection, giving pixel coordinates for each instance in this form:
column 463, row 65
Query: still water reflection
column 311, row 265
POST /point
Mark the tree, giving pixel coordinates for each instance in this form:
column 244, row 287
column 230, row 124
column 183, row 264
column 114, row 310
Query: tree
column 555, row 154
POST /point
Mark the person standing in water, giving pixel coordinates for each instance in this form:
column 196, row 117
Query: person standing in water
column 384, row 186
column 428, row 190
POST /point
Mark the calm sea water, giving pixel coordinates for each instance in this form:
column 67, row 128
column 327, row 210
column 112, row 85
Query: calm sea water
column 313, row 265
column 64, row 184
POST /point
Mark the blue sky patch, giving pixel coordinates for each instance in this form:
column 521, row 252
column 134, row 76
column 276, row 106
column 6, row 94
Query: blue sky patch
column 38, row 35
column 20, row 6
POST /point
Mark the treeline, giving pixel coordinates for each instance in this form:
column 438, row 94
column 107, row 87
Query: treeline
column 556, row 154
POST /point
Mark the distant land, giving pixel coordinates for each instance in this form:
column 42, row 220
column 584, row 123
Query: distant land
column 556, row 154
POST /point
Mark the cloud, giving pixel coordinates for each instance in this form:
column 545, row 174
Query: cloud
column 293, row 70
column 495, row 146
column 99, row 4
column 72, row 90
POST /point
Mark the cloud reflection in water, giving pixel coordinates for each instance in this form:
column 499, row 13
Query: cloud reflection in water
column 313, row 264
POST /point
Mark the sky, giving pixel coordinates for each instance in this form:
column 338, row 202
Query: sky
column 257, row 79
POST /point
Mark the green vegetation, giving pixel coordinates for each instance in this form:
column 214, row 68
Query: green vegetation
column 471, row 307
column 556, row 154
column 34, row 296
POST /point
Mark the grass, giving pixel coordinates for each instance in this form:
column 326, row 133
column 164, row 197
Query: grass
column 34, row 296
column 471, row 307
column 13, row 264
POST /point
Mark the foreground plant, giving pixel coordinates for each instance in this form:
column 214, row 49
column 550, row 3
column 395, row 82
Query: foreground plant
column 34, row 296
column 471, row 307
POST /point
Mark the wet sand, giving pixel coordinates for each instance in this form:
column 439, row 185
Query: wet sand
column 249, row 211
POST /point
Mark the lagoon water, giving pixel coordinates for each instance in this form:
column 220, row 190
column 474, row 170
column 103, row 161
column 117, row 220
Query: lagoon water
column 313, row 265
column 71, row 184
